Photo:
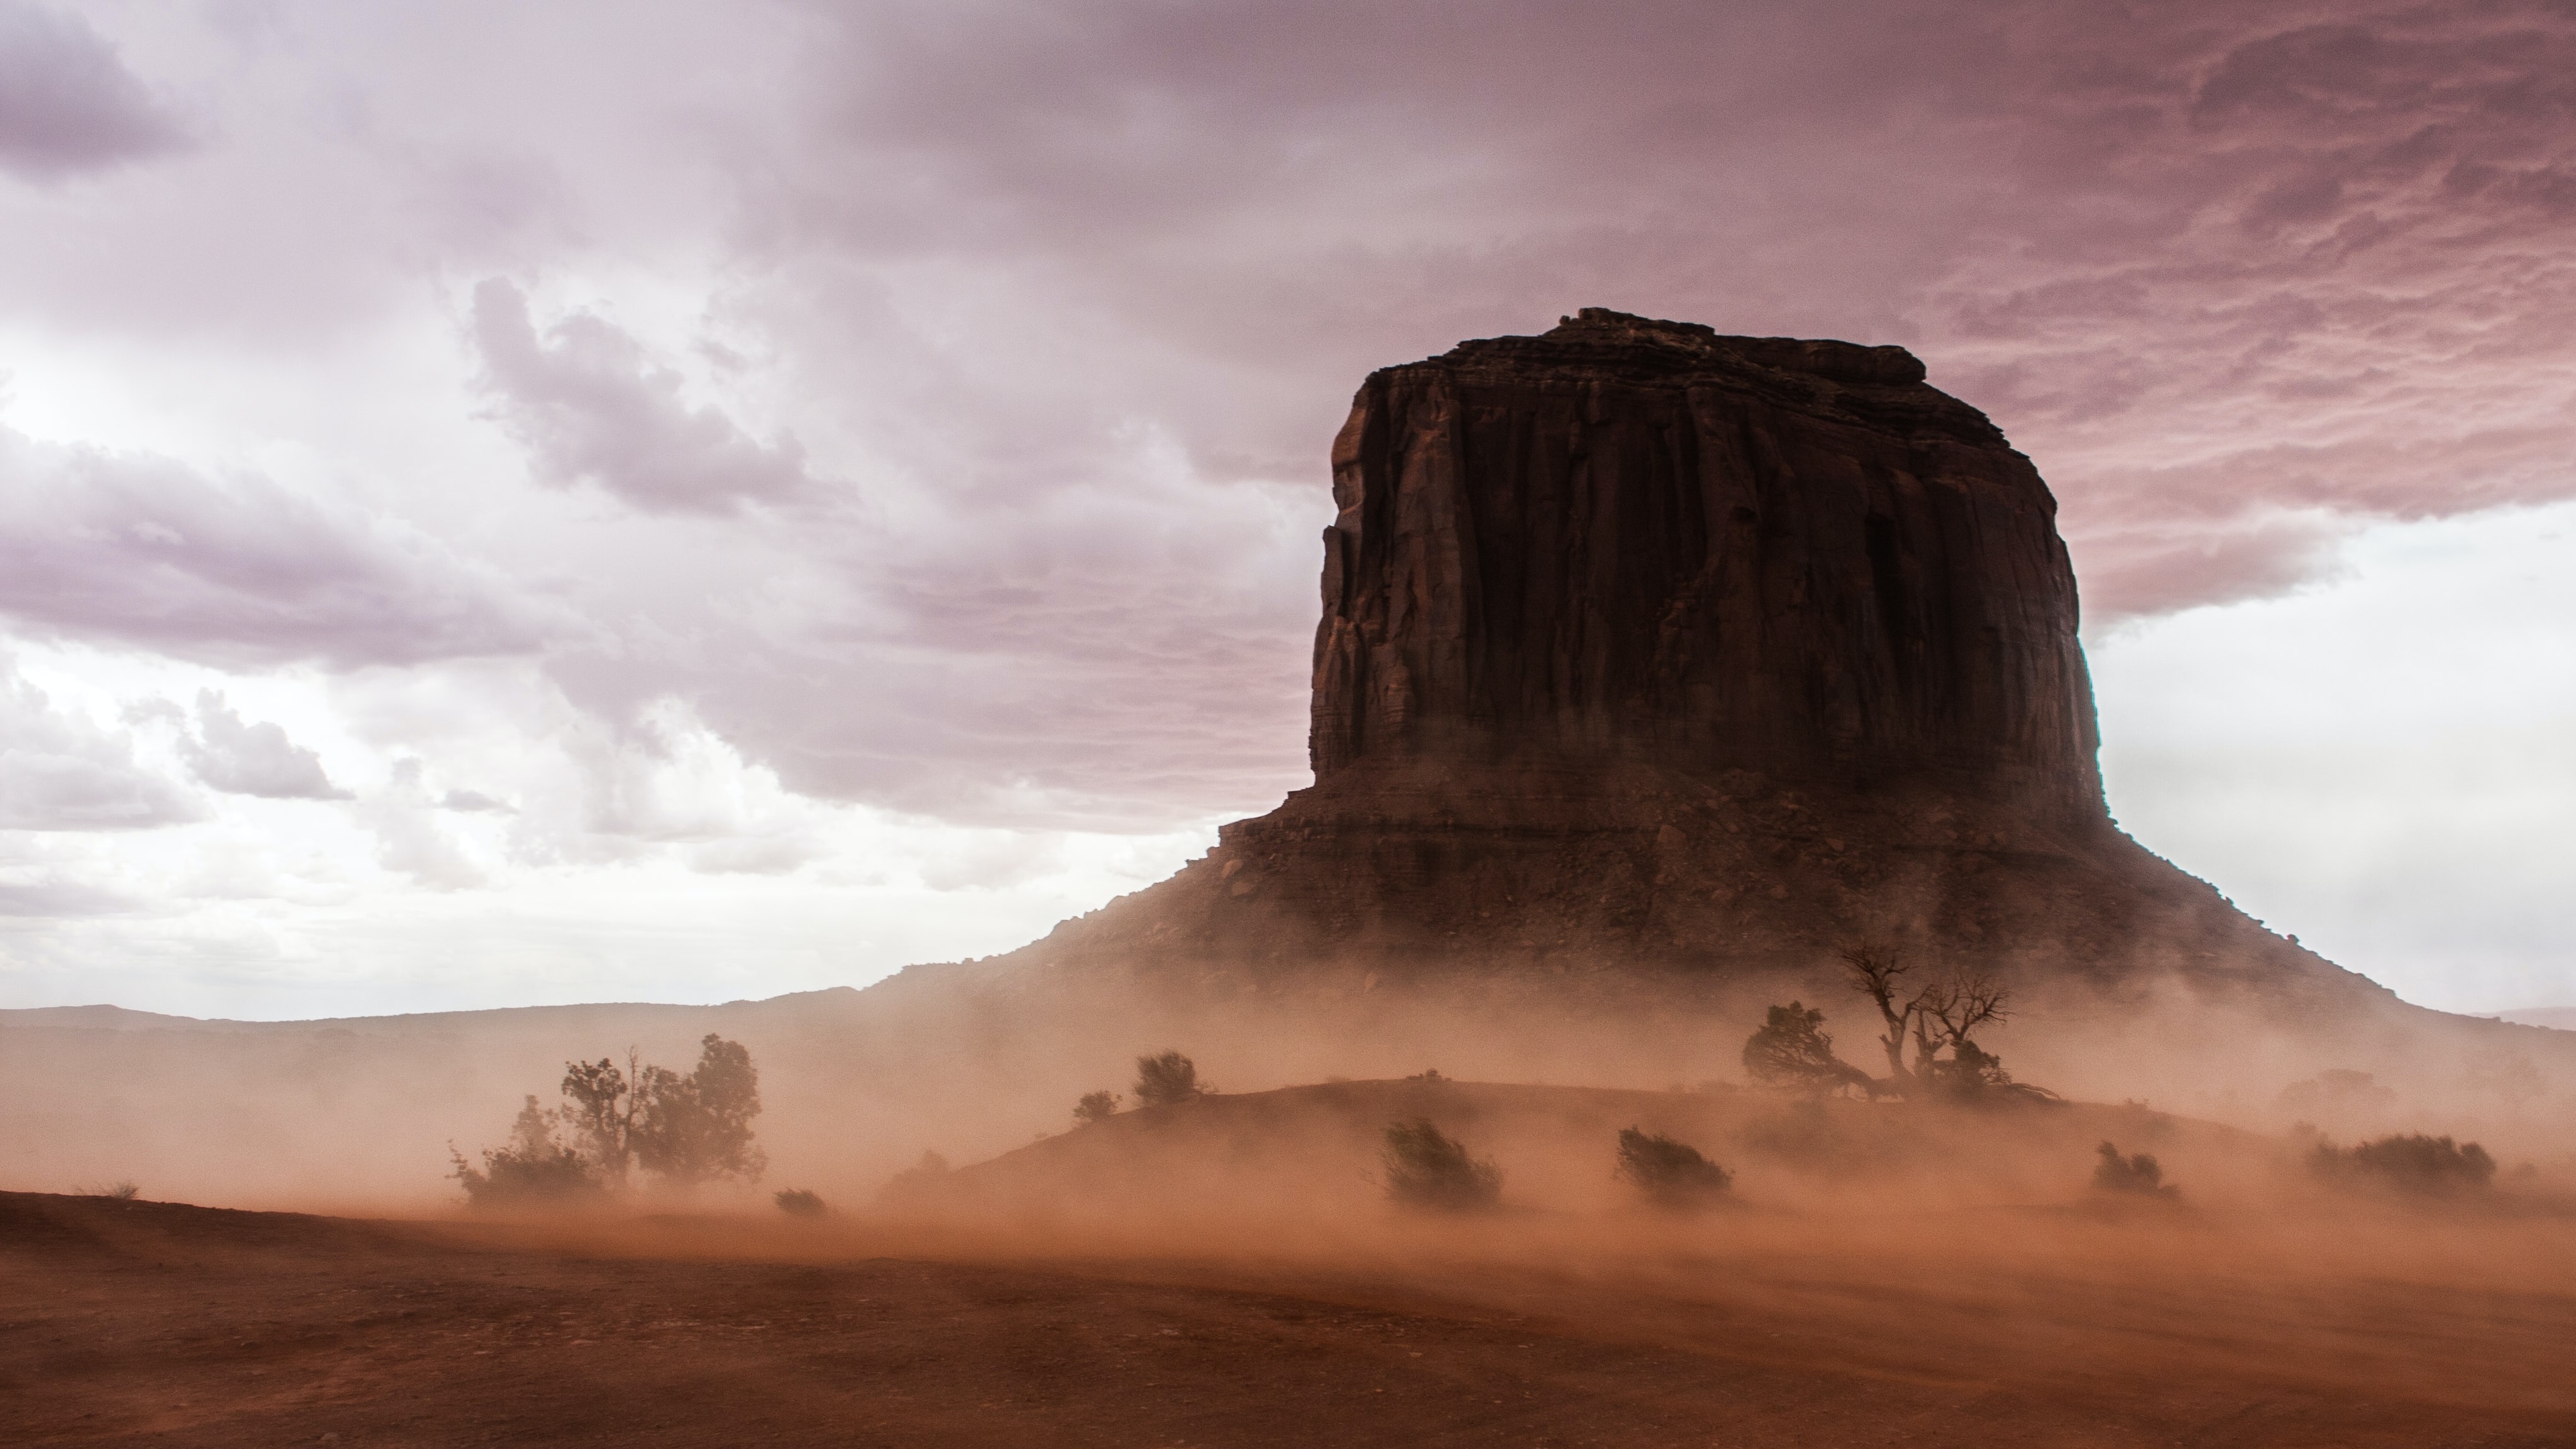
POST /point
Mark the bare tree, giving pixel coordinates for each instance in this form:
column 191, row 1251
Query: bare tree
column 1935, row 1017
column 1878, row 971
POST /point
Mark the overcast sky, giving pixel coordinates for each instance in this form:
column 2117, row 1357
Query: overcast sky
column 505, row 503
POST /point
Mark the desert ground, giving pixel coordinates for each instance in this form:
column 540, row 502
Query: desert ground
column 1842, row 1296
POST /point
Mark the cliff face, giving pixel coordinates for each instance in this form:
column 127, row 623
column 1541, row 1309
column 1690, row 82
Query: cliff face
column 1643, row 542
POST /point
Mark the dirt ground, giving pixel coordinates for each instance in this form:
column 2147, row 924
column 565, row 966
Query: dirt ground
column 139, row 1322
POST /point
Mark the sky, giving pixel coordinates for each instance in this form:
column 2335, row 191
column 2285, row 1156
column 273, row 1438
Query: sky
column 682, row 501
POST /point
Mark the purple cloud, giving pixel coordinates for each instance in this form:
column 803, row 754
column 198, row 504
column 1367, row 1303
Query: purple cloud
column 2160, row 245
column 590, row 406
column 142, row 552
column 67, row 103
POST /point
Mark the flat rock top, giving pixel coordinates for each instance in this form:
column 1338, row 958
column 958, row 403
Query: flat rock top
column 1877, row 387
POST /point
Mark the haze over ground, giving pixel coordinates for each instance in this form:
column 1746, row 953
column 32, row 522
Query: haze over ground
column 690, row 502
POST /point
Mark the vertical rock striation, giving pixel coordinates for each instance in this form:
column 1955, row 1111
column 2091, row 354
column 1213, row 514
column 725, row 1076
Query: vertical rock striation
column 1641, row 542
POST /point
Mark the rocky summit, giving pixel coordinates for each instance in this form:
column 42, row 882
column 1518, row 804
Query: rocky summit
column 1649, row 649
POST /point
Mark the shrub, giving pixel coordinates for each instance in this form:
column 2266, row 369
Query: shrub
column 1427, row 1168
column 1793, row 1053
column 2139, row 1175
column 1096, row 1107
column 1671, row 1174
column 1168, row 1078
column 798, row 1202
column 2407, row 1162
column 113, row 1192
column 535, row 1170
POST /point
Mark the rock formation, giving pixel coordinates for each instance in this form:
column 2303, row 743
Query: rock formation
column 1633, row 541
column 1646, row 649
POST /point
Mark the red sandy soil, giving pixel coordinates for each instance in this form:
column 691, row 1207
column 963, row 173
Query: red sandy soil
column 159, row 1323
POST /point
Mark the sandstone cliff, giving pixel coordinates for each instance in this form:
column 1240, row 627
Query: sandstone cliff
column 1640, row 541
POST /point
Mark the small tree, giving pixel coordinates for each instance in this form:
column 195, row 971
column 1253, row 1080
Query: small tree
column 534, row 1170
column 689, row 1129
column 1792, row 1052
column 599, row 1111
column 2139, row 1175
column 1671, row 1174
column 1427, row 1168
column 1167, row 1078
column 1095, row 1107
column 799, row 1202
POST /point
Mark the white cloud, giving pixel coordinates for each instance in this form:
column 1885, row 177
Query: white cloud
column 252, row 759
column 61, row 771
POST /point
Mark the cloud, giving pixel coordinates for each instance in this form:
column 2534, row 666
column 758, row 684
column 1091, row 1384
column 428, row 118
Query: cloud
column 55, row 899
column 60, row 771
column 590, row 406
column 67, row 103
column 473, row 802
column 252, row 759
column 146, row 552
column 2158, row 243
column 409, row 839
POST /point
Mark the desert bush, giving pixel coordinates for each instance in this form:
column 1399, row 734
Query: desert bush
column 1096, row 1107
column 113, row 1191
column 2139, row 1175
column 1976, row 1076
column 1671, row 1174
column 535, row 1170
column 1429, row 1077
column 1167, row 1078
column 1792, row 1052
column 920, row 1181
column 1427, row 1168
column 799, row 1202
column 2407, row 1162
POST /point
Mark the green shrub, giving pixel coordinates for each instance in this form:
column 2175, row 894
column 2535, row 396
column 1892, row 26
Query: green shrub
column 1427, row 1168
column 1671, row 1174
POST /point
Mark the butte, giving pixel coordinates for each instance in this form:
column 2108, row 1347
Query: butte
column 1653, row 658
